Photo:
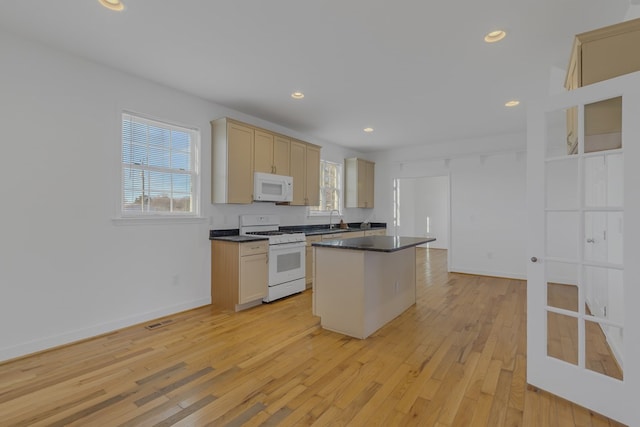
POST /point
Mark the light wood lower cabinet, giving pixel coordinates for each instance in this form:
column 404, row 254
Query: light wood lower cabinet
column 377, row 232
column 239, row 274
column 309, row 259
column 318, row 238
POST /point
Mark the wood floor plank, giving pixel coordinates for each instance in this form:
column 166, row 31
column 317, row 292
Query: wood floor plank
column 455, row 358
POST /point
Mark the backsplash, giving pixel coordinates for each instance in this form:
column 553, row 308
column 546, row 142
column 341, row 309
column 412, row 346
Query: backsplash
column 226, row 216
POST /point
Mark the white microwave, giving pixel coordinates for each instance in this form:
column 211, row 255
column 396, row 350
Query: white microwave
column 268, row 187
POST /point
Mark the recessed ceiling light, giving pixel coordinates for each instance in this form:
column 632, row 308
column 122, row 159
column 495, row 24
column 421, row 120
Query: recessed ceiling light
column 368, row 130
column 112, row 5
column 297, row 95
column 512, row 103
column 495, row 36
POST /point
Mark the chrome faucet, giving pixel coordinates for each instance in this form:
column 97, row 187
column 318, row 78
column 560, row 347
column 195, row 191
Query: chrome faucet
column 331, row 226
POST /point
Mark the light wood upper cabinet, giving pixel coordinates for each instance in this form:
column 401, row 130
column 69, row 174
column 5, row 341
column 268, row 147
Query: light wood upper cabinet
column 240, row 149
column 271, row 153
column 599, row 55
column 359, row 183
column 305, row 170
column 281, row 147
column 232, row 162
column 312, row 184
column 298, row 171
column 263, row 152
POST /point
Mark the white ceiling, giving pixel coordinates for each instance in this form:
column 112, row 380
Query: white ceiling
column 417, row 71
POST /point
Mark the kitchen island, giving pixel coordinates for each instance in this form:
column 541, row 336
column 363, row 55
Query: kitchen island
column 360, row 284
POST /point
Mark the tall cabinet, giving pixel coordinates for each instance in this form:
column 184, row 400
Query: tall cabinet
column 232, row 162
column 359, row 183
column 596, row 56
column 305, row 170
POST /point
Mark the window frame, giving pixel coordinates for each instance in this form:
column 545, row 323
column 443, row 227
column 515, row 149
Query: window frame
column 194, row 172
column 313, row 211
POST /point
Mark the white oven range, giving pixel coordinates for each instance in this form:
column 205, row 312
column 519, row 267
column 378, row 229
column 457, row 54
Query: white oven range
column 286, row 254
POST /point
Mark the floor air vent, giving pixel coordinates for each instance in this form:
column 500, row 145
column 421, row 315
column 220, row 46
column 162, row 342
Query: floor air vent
column 159, row 324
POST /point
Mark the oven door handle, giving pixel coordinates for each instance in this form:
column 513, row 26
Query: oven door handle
column 286, row 246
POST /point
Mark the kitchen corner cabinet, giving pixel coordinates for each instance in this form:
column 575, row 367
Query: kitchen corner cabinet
column 232, row 162
column 239, row 274
column 271, row 153
column 599, row 55
column 305, row 170
column 359, row 183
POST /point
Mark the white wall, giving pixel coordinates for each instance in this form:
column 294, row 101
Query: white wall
column 407, row 211
column 488, row 217
column 432, row 202
column 422, row 198
column 67, row 270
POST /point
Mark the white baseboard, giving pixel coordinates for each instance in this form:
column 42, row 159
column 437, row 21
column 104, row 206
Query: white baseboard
column 38, row 345
column 502, row 274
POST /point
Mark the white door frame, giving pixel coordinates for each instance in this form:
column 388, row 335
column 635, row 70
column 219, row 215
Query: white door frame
column 610, row 397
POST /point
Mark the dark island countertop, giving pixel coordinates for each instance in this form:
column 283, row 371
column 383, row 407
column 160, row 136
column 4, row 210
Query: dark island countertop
column 375, row 243
column 239, row 239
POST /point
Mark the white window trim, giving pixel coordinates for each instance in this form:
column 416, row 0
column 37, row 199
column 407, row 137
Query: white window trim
column 138, row 218
column 322, row 213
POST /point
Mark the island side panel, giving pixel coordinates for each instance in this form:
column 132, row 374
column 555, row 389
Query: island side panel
column 390, row 286
column 339, row 290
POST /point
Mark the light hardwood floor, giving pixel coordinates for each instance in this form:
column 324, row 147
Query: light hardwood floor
column 456, row 358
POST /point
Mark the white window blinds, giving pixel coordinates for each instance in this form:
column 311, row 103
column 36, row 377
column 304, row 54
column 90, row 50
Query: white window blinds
column 159, row 168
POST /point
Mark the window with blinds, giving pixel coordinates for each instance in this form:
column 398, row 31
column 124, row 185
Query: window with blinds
column 330, row 189
column 159, row 168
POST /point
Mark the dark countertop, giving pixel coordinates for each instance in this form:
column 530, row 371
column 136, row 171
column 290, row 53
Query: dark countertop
column 232, row 235
column 339, row 230
column 319, row 229
column 375, row 243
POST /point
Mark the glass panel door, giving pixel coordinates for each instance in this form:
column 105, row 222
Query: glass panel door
column 579, row 286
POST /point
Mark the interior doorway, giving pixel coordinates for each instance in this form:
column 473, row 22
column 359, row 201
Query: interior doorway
column 421, row 209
